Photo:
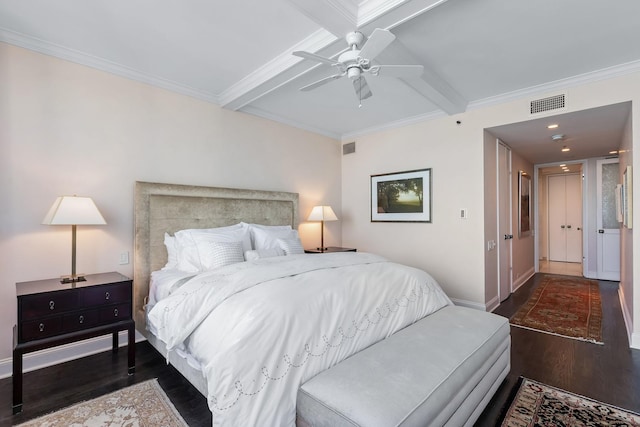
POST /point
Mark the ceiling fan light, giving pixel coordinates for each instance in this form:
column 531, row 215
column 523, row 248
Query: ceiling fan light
column 353, row 72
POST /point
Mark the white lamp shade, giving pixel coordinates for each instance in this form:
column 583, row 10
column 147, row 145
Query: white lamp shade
column 73, row 210
column 322, row 213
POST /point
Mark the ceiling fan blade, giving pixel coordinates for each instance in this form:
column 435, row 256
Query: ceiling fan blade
column 334, row 16
column 376, row 43
column 314, row 57
column 405, row 71
column 362, row 88
column 321, row 82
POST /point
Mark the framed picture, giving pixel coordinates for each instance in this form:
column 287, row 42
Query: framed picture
column 401, row 196
column 627, row 198
column 524, row 204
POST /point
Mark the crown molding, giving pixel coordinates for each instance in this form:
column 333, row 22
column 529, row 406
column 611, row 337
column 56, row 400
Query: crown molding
column 562, row 84
column 394, row 125
column 276, row 118
column 72, row 55
column 372, row 9
column 261, row 81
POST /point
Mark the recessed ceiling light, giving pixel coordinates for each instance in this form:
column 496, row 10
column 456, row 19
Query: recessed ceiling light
column 567, row 170
column 563, row 165
column 565, row 149
column 553, row 126
column 613, row 152
column 558, row 137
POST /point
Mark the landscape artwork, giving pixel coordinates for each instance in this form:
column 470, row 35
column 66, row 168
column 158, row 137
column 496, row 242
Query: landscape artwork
column 401, row 196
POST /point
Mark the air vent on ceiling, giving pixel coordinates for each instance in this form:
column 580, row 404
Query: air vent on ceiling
column 547, row 104
column 348, row 148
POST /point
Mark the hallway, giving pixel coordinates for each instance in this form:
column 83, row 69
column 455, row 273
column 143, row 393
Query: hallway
column 565, row 268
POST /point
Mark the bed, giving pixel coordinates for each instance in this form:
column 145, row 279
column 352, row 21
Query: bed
column 248, row 334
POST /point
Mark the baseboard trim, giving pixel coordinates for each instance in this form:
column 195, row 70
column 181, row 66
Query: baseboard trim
column 523, row 279
column 634, row 338
column 492, row 304
column 64, row 353
column 469, row 304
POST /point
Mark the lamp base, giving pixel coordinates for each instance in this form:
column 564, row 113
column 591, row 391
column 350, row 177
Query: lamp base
column 73, row 278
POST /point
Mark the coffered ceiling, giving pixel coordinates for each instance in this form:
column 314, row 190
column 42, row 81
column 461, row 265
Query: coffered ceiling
column 238, row 53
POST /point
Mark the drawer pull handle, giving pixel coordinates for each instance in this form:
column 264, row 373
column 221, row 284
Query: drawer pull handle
column 81, row 319
column 52, row 305
column 115, row 312
column 106, row 295
column 41, row 327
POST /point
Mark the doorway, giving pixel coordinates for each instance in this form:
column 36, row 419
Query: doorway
column 560, row 206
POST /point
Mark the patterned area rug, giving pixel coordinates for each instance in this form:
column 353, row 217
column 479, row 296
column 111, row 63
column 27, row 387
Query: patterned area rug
column 565, row 306
column 143, row 404
column 541, row 405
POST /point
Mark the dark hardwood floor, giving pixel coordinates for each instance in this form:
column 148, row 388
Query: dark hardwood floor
column 49, row 389
column 609, row 372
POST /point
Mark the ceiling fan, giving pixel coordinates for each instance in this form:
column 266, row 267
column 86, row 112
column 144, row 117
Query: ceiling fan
column 356, row 62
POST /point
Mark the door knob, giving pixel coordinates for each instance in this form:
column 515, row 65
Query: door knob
column 568, row 226
column 562, row 226
column 601, row 231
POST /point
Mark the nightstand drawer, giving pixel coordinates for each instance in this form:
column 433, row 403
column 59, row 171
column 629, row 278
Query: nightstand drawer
column 115, row 313
column 41, row 328
column 79, row 320
column 106, row 294
column 34, row 306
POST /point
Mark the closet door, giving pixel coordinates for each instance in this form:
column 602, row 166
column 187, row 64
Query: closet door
column 565, row 218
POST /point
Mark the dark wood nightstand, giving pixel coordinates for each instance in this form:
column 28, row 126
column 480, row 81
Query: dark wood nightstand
column 51, row 313
column 329, row 249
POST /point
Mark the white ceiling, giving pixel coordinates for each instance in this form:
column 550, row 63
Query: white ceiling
column 237, row 54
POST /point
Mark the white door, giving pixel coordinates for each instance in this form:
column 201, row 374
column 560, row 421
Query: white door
column 565, row 217
column 608, row 241
column 573, row 185
column 504, row 221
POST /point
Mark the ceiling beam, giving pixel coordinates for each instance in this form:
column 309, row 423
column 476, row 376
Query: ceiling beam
column 335, row 17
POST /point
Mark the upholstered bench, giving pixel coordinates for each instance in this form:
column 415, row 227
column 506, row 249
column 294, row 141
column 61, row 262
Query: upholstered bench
column 442, row 370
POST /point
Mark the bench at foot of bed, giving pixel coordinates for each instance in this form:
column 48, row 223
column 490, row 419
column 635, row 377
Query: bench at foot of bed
column 442, row 370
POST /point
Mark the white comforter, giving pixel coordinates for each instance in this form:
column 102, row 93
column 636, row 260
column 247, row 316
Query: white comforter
column 260, row 329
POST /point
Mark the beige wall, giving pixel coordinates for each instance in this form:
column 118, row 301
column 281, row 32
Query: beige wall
column 523, row 248
column 628, row 294
column 491, row 268
column 453, row 250
column 70, row 129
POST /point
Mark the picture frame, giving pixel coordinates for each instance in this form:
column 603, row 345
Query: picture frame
column 401, row 196
column 627, row 198
column 524, row 204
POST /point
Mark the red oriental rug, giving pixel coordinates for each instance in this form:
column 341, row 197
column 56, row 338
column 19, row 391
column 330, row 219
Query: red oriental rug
column 564, row 306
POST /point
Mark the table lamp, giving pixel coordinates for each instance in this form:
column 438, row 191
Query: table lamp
column 73, row 210
column 322, row 214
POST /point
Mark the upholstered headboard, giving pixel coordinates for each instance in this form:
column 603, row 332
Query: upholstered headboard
column 167, row 208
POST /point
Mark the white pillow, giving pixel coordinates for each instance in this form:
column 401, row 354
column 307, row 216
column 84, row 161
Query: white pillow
column 263, row 253
column 291, row 246
column 219, row 254
column 172, row 252
column 267, row 228
column 267, row 238
column 193, row 241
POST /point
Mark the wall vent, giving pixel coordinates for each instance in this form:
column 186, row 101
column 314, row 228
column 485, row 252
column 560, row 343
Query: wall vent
column 348, row 148
column 547, row 104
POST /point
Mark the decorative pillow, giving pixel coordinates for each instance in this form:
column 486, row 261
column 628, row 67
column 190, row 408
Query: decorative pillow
column 291, row 246
column 194, row 241
column 267, row 238
column 172, row 252
column 219, row 254
column 263, row 253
